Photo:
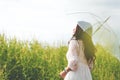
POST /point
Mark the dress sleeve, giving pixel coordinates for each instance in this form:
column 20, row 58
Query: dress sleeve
column 73, row 55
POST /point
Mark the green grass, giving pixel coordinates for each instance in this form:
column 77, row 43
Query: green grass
column 23, row 60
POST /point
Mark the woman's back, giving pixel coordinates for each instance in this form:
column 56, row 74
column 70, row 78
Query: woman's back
column 81, row 53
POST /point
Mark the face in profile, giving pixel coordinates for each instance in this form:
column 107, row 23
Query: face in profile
column 74, row 30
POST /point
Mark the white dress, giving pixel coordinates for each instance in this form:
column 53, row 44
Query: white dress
column 77, row 62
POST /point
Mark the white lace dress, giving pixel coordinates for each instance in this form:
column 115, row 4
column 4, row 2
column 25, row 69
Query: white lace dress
column 77, row 62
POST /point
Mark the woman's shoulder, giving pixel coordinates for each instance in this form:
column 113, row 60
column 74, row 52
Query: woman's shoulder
column 73, row 42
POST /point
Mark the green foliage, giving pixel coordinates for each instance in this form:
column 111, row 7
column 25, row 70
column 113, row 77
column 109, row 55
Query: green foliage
column 107, row 67
column 32, row 61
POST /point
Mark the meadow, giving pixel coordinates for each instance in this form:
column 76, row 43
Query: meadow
column 24, row 60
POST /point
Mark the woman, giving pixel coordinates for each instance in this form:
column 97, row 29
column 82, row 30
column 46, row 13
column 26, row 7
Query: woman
column 81, row 53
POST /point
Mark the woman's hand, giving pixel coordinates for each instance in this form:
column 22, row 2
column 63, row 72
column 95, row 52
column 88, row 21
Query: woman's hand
column 63, row 74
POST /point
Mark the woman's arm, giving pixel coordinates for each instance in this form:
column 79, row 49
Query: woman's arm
column 73, row 55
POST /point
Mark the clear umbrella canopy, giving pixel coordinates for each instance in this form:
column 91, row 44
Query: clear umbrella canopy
column 102, row 33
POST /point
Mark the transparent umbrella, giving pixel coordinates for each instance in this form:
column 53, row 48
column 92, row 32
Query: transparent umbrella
column 102, row 32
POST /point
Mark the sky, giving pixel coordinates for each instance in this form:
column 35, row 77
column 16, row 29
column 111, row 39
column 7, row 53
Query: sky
column 48, row 20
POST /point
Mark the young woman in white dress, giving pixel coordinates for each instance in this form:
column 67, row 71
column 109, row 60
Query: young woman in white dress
column 81, row 53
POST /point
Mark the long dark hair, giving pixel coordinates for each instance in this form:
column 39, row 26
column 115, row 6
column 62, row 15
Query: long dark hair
column 89, row 48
